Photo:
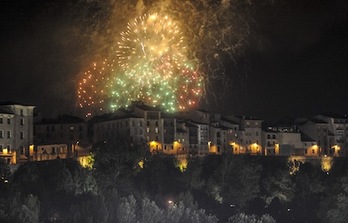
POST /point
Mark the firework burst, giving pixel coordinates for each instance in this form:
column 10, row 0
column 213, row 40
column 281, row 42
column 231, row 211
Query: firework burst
column 94, row 87
column 155, row 65
column 166, row 53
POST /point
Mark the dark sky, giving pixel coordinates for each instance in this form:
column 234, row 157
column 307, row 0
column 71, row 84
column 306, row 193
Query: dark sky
column 295, row 64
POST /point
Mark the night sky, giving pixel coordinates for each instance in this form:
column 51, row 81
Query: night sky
column 295, row 62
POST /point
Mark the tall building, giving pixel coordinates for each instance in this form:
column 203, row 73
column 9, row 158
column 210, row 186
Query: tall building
column 16, row 129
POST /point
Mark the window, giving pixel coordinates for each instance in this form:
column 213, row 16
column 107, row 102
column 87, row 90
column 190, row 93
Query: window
column 21, row 112
column 0, row 148
column 22, row 135
column 71, row 128
column 156, row 130
column 147, row 130
column 1, row 134
column 1, row 120
column 9, row 134
column 8, row 121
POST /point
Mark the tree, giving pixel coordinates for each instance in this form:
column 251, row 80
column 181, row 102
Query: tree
column 150, row 212
column 116, row 162
column 5, row 177
column 338, row 212
column 244, row 218
column 24, row 210
column 237, row 180
column 278, row 185
column 126, row 210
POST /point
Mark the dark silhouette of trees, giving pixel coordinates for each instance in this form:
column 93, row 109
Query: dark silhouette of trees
column 118, row 189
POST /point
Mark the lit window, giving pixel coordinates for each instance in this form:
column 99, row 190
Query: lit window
column 156, row 130
column 147, row 130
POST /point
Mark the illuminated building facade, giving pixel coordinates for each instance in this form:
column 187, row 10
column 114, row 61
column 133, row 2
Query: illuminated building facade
column 65, row 129
column 282, row 141
column 329, row 132
column 16, row 130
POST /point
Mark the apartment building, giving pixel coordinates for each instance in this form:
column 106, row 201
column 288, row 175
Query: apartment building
column 329, row 132
column 282, row 140
column 65, row 129
column 16, row 130
column 198, row 132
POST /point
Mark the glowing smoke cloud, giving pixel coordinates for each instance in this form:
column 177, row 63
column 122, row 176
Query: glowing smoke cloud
column 166, row 52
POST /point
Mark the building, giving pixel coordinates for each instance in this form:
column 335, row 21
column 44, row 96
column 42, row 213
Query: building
column 282, row 140
column 329, row 132
column 16, row 130
column 65, row 129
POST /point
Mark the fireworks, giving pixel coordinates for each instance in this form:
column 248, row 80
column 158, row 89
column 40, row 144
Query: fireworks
column 94, row 86
column 154, row 67
column 163, row 53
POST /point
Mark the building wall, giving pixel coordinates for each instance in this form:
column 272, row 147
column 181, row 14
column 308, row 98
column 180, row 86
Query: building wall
column 17, row 129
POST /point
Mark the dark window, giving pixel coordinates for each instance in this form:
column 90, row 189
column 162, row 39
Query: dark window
column 8, row 121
